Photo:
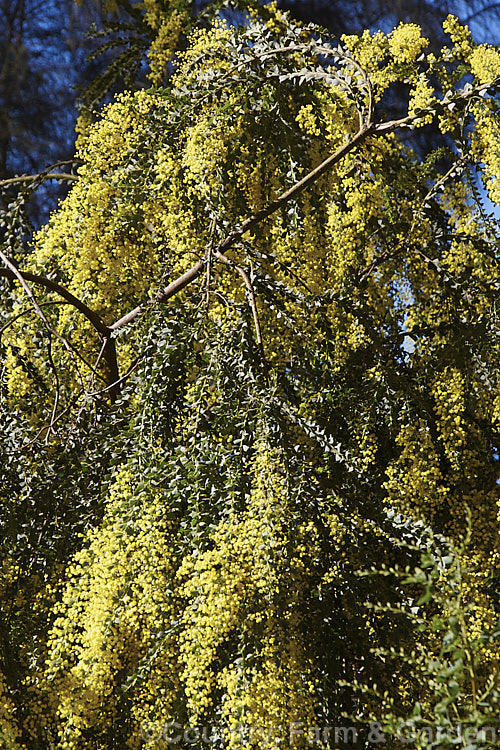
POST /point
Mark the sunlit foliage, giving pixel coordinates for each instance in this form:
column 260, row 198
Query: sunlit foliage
column 250, row 454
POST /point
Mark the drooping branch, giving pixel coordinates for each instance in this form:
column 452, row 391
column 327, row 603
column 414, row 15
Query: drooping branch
column 53, row 286
column 30, row 310
column 235, row 234
column 191, row 274
column 388, row 254
column 252, row 302
column 109, row 352
column 27, row 311
column 50, row 331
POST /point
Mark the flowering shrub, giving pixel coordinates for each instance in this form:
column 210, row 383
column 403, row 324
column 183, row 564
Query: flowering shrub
column 262, row 360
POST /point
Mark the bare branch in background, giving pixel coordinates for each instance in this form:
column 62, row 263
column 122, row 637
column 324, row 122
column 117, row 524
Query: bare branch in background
column 41, row 176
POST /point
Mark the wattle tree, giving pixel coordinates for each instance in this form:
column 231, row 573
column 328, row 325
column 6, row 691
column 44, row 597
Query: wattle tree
column 250, row 403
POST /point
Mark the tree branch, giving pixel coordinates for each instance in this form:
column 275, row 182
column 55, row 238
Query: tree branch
column 51, row 332
column 163, row 296
column 11, row 272
column 248, row 224
column 109, row 353
column 41, row 176
column 48, row 174
column 408, row 120
column 30, row 311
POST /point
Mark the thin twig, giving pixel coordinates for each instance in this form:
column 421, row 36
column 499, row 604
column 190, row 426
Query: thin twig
column 96, row 365
column 209, row 259
column 30, row 310
column 50, row 331
column 252, row 302
column 20, row 277
column 110, row 349
column 41, row 176
column 390, row 254
column 57, row 391
column 118, row 382
column 44, row 427
column 408, row 120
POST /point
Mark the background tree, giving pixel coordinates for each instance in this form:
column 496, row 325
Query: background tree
column 351, row 18
column 43, row 61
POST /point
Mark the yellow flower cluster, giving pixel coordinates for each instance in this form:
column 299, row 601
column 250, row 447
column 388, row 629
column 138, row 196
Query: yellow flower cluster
column 478, row 613
column 10, row 736
column 153, row 13
column 18, row 381
column 165, row 45
column 238, row 605
column 460, row 36
column 495, row 411
column 206, row 52
column 272, row 14
column 109, row 620
column 415, row 484
column 406, row 43
column 422, row 96
column 486, row 141
column 234, row 588
column 367, row 443
column 203, row 155
column 98, row 244
column 307, row 120
column 370, row 50
column 485, row 63
column 448, row 393
column 382, row 56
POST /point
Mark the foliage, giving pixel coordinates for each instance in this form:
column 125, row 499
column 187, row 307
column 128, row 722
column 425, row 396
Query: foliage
column 252, row 356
